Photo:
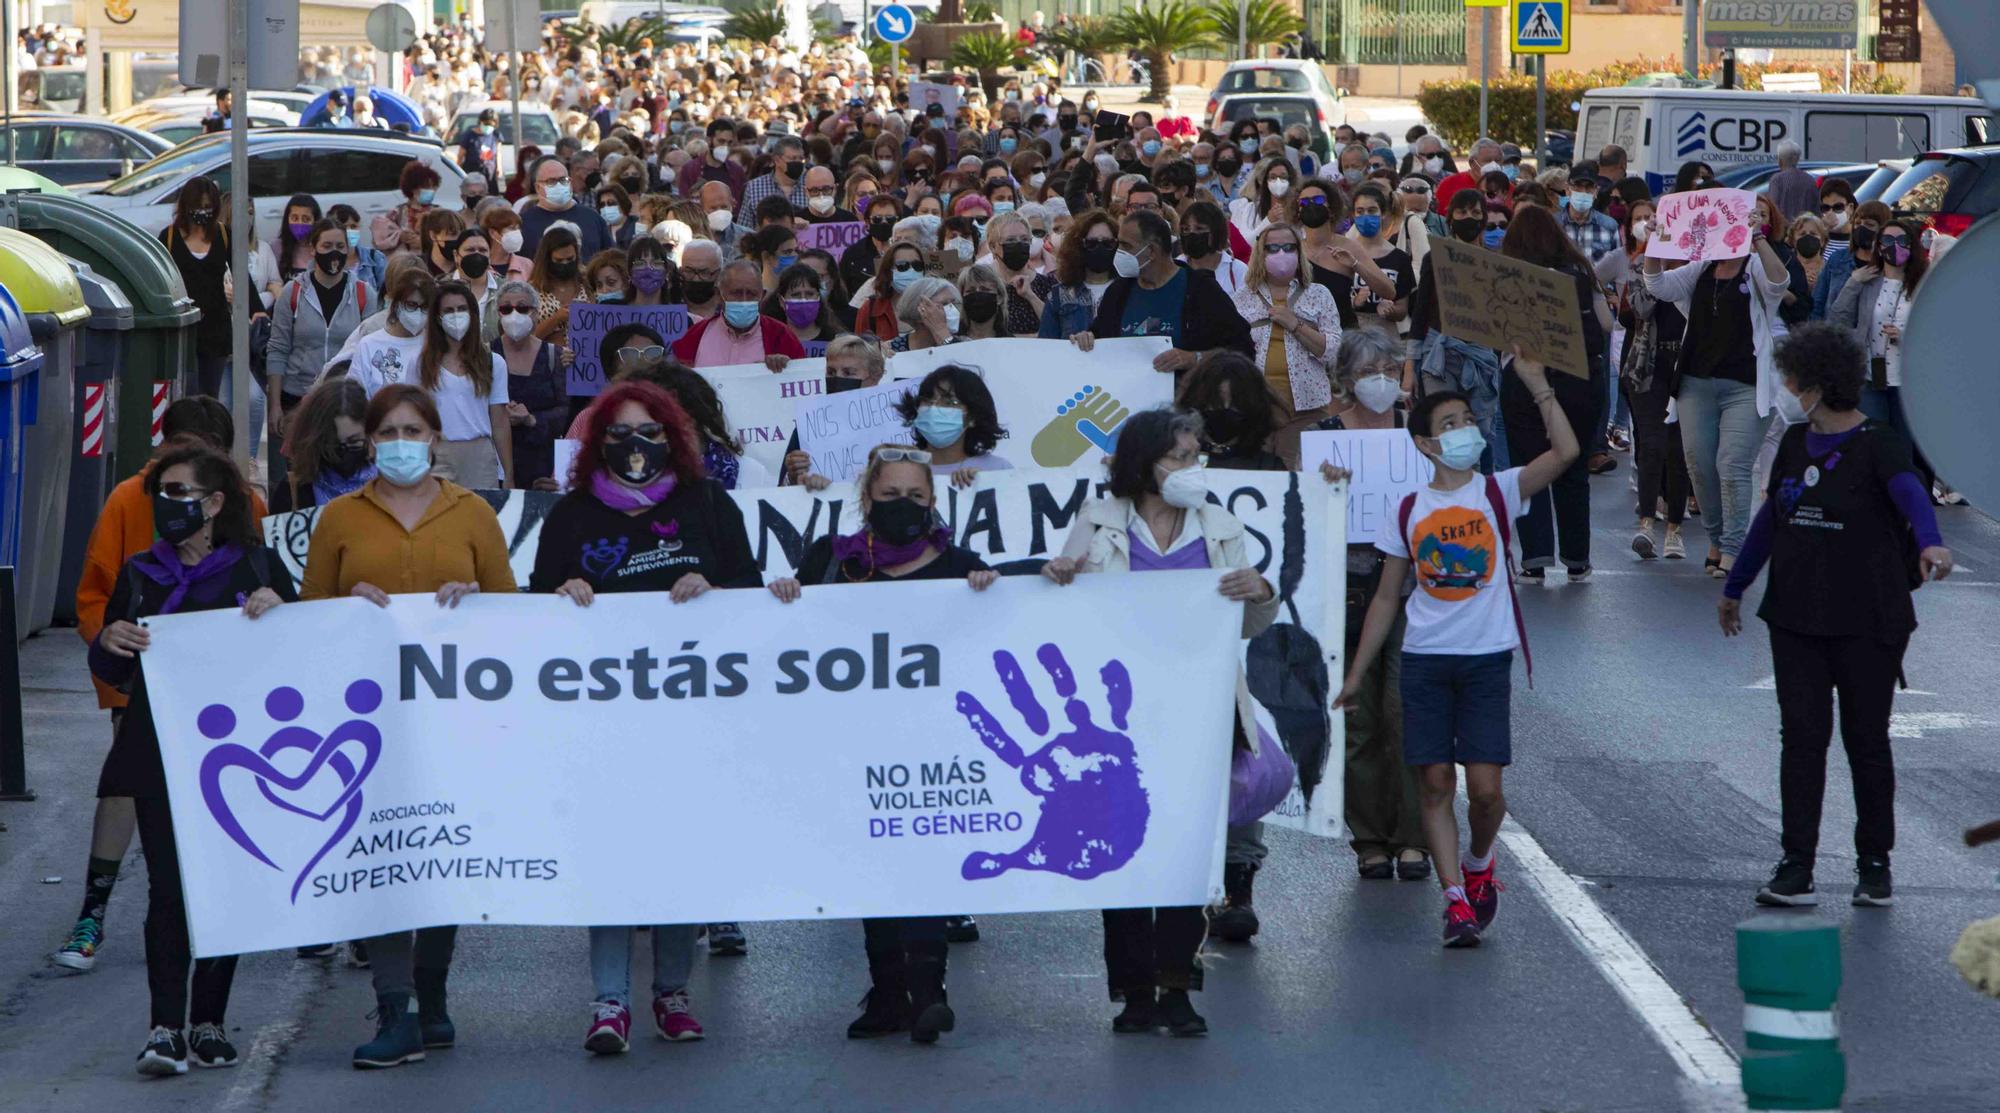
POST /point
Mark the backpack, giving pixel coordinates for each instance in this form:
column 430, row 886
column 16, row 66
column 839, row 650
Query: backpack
column 1499, row 507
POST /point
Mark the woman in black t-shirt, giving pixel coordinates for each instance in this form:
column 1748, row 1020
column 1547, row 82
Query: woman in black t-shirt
column 1374, row 210
column 642, row 517
column 199, row 244
column 901, row 538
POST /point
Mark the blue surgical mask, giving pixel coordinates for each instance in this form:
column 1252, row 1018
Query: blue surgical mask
column 1368, row 224
column 785, row 262
column 940, row 426
column 426, row 196
column 1512, row 171
column 1008, row 144
column 1203, row 170
column 403, row 463
column 740, row 314
column 1493, row 237
column 558, row 193
column 612, row 214
column 902, row 280
column 353, row 237
column 1150, row 148
column 1460, row 448
column 1002, row 207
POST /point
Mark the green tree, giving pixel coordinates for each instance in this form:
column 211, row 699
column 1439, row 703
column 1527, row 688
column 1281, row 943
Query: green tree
column 755, row 20
column 986, row 53
column 625, row 37
column 1269, row 22
column 1160, row 30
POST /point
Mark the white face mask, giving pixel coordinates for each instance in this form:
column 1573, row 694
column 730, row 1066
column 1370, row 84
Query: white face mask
column 412, row 320
column 455, row 323
column 820, row 205
column 511, row 240
column 719, row 220
column 962, row 247
column 517, row 325
column 951, row 319
column 1433, row 165
column 1186, row 488
column 1377, row 392
column 1791, row 409
column 1035, row 180
column 1490, row 168
column 1126, row 264
column 1279, row 186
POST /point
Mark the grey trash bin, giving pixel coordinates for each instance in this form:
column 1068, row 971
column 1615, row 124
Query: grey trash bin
column 100, row 359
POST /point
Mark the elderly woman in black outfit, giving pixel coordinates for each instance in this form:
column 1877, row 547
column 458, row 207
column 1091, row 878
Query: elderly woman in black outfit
column 209, row 556
column 901, row 538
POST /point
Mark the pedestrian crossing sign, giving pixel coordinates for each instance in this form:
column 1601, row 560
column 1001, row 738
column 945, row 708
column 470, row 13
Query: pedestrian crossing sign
column 1541, row 26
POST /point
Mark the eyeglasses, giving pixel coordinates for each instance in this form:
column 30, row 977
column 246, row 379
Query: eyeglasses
column 521, row 310
column 187, row 492
column 1414, row 189
column 1839, row 208
column 651, row 430
column 906, row 266
column 630, row 356
column 1315, row 200
column 1282, row 248
column 900, row 455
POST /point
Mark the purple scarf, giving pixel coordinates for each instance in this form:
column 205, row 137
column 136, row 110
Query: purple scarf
column 862, row 546
column 618, row 496
column 166, row 568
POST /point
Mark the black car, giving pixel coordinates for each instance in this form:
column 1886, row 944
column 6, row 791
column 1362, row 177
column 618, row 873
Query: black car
column 1950, row 189
column 71, row 150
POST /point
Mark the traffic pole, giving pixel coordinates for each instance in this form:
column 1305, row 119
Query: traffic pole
column 13, row 740
column 514, row 86
column 242, row 206
column 1789, row 971
column 1541, row 113
column 1485, row 63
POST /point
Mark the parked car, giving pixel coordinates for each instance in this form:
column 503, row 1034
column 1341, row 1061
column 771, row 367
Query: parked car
column 359, row 168
column 1287, row 110
column 1950, row 189
column 1757, row 178
column 179, row 123
column 1878, row 181
column 1272, row 76
column 71, row 149
column 538, row 128
column 51, row 88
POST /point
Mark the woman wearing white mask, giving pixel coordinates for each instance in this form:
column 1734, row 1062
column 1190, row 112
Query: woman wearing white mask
column 469, row 383
column 390, row 355
column 932, row 314
column 1266, row 200
column 1294, row 324
column 1159, row 518
column 537, row 390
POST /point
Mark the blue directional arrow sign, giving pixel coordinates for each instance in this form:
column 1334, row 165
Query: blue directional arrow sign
column 894, row 23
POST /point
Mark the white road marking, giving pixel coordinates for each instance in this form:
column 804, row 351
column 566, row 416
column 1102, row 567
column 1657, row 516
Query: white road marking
column 1708, row 1065
column 1770, row 684
column 260, row 1062
column 1913, row 724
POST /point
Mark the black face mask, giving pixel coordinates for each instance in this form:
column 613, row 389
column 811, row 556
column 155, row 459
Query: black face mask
column 981, row 305
column 1863, row 239
column 176, row 521
column 1066, row 123
column 1097, row 255
column 898, row 521
column 1296, row 144
column 1228, row 167
column 1197, row 245
column 636, row 459
column 841, row 384
column 881, row 228
column 1810, row 245
column 200, row 218
column 562, row 270
column 473, row 265
column 330, row 262
column 1224, row 426
column 1467, row 228
column 1015, row 255
column 795, row 168
column 1314, row 216
column 592, row 181
column 699, row 292
column 349, row 458
column 633, row 186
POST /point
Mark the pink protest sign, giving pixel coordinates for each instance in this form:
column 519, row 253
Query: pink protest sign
column 1702, row 225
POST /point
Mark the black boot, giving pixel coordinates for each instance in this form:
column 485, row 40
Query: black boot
column 886, row 1008
column 1177, row 1013
column 1140, row 1014
column 431, row 1015
column 929, row 1014
column 1237, row 921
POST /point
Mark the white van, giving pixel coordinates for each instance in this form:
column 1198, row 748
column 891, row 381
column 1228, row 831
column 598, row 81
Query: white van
column 1730, row 128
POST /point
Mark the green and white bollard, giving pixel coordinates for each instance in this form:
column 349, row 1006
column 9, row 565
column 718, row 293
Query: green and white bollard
column 1789, row 971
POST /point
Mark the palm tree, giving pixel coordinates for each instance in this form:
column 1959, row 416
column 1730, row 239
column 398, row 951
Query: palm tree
column 626, row 37
column 1160, row 30
column 986, row 53
column 1269, row 22
column 756, row 20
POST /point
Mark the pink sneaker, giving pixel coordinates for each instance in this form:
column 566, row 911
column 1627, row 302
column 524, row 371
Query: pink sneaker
column 610, row 1029
column 670, row 1012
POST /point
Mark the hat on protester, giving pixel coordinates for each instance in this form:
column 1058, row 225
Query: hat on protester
column 1510, row 152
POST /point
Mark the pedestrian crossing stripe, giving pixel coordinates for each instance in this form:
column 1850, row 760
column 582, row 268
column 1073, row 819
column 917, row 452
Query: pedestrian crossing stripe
column 1541, row 26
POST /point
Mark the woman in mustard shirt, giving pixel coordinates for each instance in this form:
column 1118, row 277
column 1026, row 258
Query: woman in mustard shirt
column 403, row 532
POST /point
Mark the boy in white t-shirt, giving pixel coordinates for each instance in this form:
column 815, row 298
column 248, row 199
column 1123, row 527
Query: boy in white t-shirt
column 1458, row 650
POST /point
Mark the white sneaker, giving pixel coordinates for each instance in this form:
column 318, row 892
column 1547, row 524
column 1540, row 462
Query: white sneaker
column 1642, row 541
column 1674, row 550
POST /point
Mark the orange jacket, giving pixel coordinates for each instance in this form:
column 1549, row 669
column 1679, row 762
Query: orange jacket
column 124, row 529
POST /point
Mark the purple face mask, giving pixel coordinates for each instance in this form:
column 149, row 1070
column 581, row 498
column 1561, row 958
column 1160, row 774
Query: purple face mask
column 649, row 279
column 802, row 311
column 299, row 231
column 1898, row 252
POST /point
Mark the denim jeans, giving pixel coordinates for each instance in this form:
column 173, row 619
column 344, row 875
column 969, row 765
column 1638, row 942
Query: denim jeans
column 611, row 960
column 1722, row 433
column 1767, row 455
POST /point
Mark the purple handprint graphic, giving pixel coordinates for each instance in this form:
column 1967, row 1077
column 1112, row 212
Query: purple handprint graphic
column 1094, row 810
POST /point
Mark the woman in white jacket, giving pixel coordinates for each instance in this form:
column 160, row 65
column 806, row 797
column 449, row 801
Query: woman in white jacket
column 1729, row 384
column 1159, row 518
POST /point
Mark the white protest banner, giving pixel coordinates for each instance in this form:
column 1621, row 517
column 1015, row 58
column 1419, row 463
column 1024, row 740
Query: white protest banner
column 833, row 237
column 1702, row 225
column 1061, row 406
column 565, row 459
column 1384, row 465
column 1016, row 520
column 838, row 430
column 589, row 321
column 761, row 405
column 339, row 770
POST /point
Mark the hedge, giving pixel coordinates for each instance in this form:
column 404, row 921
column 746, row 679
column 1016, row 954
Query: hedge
column 1452, row 107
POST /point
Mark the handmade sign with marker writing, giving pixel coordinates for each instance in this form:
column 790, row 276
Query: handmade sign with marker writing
column 589, row 322
column 1502, row 303
column 833, row 238
column 1703, row 225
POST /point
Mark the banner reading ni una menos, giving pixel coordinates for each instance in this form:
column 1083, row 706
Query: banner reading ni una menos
column 338, row 770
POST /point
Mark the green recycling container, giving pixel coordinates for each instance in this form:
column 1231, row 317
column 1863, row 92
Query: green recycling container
column 161, row 341
column 52, row 300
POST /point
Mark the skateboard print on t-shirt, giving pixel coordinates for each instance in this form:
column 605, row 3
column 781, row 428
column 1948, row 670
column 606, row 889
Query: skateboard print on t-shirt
column 1454, row 549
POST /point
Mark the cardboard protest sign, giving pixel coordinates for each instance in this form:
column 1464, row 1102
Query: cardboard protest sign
column 1494, row 301
column 839, row 430
column 588, row 322
column 923, row 94
column 1702, row 225
column 1383, row 465
column 834, row 238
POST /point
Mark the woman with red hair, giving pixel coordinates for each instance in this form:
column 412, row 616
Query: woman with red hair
column 641, row 515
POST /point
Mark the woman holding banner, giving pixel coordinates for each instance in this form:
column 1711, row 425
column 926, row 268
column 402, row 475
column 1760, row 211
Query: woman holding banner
column 640, row 476
column 1159, row 518
column 209, row 556
column 953, row 414
column 901, row 538
column 407, row 531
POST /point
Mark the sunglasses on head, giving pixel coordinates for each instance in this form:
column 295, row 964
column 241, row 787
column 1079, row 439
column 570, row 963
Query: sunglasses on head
column 651, row 430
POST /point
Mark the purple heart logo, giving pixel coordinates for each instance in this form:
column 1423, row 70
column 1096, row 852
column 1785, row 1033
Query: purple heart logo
column 328, row 752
